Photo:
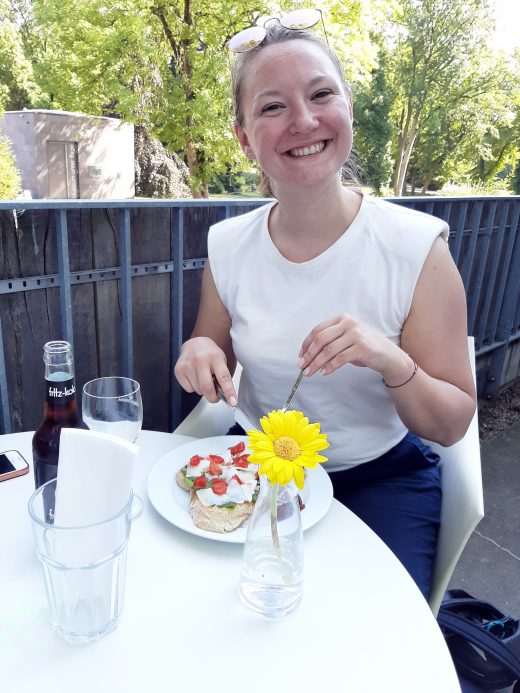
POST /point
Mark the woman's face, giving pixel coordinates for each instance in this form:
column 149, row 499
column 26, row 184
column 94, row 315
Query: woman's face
column 297, row 116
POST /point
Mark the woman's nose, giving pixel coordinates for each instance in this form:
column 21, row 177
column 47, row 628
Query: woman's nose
column 303, row 119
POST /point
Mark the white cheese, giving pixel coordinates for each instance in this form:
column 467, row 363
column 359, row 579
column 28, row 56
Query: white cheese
column 236, row 493
column 207, row 497
column 245, row 475
column 198, row 469
column 228, row 473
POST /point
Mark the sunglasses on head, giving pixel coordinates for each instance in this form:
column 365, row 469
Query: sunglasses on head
column 250, row 38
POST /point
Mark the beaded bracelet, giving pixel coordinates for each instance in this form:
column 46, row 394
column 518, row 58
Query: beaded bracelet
column 415, row 368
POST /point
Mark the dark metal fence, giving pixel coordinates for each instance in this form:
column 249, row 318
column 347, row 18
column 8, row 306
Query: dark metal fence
column 120, row 280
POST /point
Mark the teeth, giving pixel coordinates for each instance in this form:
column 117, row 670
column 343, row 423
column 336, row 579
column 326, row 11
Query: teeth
column 305, row 151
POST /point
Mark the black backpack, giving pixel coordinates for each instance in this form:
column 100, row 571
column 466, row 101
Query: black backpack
column 484, row 643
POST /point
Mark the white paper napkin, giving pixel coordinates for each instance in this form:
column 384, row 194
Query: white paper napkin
column 95, row 472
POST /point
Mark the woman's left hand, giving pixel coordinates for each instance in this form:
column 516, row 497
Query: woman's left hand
column 344, row 339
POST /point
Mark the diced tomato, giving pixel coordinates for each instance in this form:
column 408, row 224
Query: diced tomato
column 216, row 458
column 241, row 462
column 200, row 482
column 237, row 478
column 215, row 468
column 195, row 460
column 238, row 448
column 219, row 487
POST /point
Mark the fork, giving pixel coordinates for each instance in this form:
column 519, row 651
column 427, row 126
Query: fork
column 293, row 392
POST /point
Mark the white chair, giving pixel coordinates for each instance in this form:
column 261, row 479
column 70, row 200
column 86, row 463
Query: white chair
column 461, row 478
column 462, row 501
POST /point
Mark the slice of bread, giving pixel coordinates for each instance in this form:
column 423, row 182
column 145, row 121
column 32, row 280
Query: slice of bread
column 216, row 518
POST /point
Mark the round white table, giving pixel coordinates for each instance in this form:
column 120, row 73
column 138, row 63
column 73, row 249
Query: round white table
column 362, row 626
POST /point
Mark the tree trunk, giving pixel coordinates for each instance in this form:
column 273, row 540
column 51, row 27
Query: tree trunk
column 426, row 182
column 397, row 165
column 413, row 179
column 192, row 166
column 405, row 160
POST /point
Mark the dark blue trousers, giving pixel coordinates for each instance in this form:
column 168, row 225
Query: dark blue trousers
column 398, row 495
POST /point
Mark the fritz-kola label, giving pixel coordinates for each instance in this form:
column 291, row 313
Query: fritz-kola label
column 60, row 391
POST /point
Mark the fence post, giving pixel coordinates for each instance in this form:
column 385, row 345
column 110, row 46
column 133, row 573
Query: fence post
column 125, row 260
column 5, row 421
column 177, row 312
column 64, row 272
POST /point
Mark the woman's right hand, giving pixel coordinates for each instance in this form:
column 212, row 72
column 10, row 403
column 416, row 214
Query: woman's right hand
column 200, row 360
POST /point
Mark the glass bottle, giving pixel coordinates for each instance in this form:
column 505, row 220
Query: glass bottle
column 271, row 578
column 60, row 410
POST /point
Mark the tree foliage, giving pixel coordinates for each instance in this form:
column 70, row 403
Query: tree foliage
column 166, row 65
column 439, row 45
column 157, row 63
column 431, row 102
column 9, row 176
column 18, row 87
column 372, row 128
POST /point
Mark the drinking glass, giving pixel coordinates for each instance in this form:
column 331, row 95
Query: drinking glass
column 113, row 405
column 84, row 567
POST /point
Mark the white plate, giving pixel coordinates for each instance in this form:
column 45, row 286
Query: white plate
column 171, row 501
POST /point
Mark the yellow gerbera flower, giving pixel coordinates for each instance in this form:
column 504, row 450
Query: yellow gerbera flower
column 288, row 444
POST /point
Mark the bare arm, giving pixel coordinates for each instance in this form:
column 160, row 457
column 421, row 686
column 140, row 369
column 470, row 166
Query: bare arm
column 439, row 401
column 209, row 351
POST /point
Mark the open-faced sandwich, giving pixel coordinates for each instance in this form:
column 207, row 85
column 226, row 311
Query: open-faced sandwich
column 222, row 490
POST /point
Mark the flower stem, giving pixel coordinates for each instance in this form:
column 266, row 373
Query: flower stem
column 274, row 519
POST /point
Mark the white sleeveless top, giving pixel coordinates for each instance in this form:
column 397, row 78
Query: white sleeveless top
column 370, row 272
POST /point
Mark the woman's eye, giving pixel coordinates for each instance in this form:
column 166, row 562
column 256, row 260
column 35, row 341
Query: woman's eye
column 271, row 108
column 322, row 93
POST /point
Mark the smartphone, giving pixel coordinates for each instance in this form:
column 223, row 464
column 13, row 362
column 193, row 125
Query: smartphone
column 12, row 464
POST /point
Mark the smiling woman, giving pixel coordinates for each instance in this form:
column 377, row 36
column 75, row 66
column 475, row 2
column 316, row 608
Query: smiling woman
column 359, row 294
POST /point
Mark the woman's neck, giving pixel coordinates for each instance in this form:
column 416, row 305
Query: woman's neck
column 304, row 226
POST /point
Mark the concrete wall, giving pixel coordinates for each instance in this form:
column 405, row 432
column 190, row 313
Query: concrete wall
column 104, row 160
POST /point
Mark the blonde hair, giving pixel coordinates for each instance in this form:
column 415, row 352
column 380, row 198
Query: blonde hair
column 276, row 33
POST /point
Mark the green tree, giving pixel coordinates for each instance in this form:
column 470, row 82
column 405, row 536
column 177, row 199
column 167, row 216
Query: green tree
column 515, row 180
column 372, row 129
column 165, row 65
column 161, row 64
column 458, row 131
column 9, row 177
column 18, row 88
column 438, row 46
column 501, row 141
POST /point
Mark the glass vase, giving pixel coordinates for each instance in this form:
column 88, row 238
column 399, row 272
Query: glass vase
column 271, row 578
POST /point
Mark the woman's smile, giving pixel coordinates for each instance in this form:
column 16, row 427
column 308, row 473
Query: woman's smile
column 306, row 150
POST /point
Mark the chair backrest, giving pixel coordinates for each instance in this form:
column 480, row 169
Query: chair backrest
column 462, row 502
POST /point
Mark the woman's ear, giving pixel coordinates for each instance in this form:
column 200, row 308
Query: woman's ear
column 243, row 140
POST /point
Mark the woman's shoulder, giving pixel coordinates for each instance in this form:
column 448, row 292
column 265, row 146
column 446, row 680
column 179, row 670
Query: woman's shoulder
column 393, row 215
